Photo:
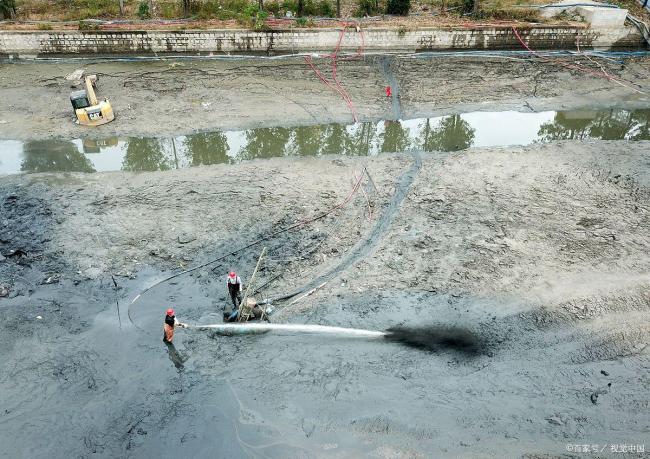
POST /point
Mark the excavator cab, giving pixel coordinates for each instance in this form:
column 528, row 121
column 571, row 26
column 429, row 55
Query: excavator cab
column 90, row 111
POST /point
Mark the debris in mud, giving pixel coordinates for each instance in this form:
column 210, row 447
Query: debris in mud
column 4, row 292
column 602, row 391
column 186, row 238
column 52, row 280
column 16, row 253
column 76, row 75
column 556, row 420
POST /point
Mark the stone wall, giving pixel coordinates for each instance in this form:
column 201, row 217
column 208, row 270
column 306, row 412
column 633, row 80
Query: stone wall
column 36, row 43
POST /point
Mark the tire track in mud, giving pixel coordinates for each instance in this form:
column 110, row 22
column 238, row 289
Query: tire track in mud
column 364, row 247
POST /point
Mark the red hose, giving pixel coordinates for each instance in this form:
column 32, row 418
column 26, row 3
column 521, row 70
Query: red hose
column 334, row 83
column 564, row 64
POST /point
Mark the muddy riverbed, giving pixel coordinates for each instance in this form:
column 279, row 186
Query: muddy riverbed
column 541, row 250
column 178, row 97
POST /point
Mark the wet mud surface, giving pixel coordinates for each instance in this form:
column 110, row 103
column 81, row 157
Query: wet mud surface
column 178, row 97
column 539, row 254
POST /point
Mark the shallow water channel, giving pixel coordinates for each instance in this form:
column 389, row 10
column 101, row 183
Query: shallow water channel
column 445, row 133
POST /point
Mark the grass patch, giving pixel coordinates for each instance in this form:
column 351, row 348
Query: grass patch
column 88, row 25
column 510, row 14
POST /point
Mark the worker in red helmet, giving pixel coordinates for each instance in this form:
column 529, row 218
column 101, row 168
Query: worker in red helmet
column 168, row 327
column 235, row 288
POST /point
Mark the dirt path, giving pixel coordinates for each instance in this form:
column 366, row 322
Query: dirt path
column 542, row 250
column 179, row 96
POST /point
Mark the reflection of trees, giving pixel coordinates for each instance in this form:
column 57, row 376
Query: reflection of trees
column 363, row 138
column 54, row 156
column 265, row 143
column 208, row 148
column 609, row 125
column 395, row 137
column 452, row 133
column 337, row 140
column 145, row 155
column 565, row 127
column 307, row 140
column 642, row 132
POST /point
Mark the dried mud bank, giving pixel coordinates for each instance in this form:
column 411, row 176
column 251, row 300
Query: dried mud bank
column 176, row 97
column 541, row 250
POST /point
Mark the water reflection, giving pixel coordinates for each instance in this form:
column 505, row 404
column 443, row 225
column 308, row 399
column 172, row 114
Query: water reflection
column 452, row 133
column 265, row 143
column 54, row 155
column 206, row 149
column 145, row 154
column 395, row 137
column 610, row 125
column 447, row 133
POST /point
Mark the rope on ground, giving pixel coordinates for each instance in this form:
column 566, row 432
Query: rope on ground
column 335, row 83
column 262, row 239
column 599, row 74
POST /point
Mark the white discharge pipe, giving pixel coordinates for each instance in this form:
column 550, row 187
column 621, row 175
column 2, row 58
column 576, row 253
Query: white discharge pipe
column 254, row 329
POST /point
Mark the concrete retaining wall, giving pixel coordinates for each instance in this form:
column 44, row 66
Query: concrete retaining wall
column 20, row 43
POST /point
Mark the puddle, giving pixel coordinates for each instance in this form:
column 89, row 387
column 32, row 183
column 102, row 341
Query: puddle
column 446, row 133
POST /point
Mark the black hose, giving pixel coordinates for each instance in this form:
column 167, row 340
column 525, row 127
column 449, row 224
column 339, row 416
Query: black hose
column 258, row 241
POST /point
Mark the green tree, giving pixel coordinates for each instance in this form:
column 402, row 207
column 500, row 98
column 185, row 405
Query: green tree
column 606, row 125
column 621, row 124
column 145, row 154
column 395, row 137
column 452, row 133
column 565, row 126
column 642, row 129
column 307, row 140
column 363, row 138
column 265, row 143
column 8, row 9
column 400, row 7
column 208, row 148
column 54, row 156
column 337, row 141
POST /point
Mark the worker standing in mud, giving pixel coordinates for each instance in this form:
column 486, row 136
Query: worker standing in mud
column 235, row 288
column 168, row 327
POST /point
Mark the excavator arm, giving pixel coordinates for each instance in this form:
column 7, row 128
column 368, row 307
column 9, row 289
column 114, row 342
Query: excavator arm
column 90, row 89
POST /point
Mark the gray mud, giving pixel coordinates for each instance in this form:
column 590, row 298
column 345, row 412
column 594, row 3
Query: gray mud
column 540, row 252
column 178, row 97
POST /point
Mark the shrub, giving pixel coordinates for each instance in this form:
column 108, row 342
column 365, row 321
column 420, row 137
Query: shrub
column 88, row 25
column 400, row 7
column 143, row 10
column 272, row 7
column 87, row 9
column 512, row 14
column 309, row 8
column 253, row 17
column 7, row 9
column 302, row 22
column 325, row 9
column 169, row 10
column 290, row 5
column 367, row 8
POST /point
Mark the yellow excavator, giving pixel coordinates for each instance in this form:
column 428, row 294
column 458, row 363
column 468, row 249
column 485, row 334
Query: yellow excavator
column 90, row 111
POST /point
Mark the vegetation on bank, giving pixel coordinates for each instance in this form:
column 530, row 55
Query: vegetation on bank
column 255, row 13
